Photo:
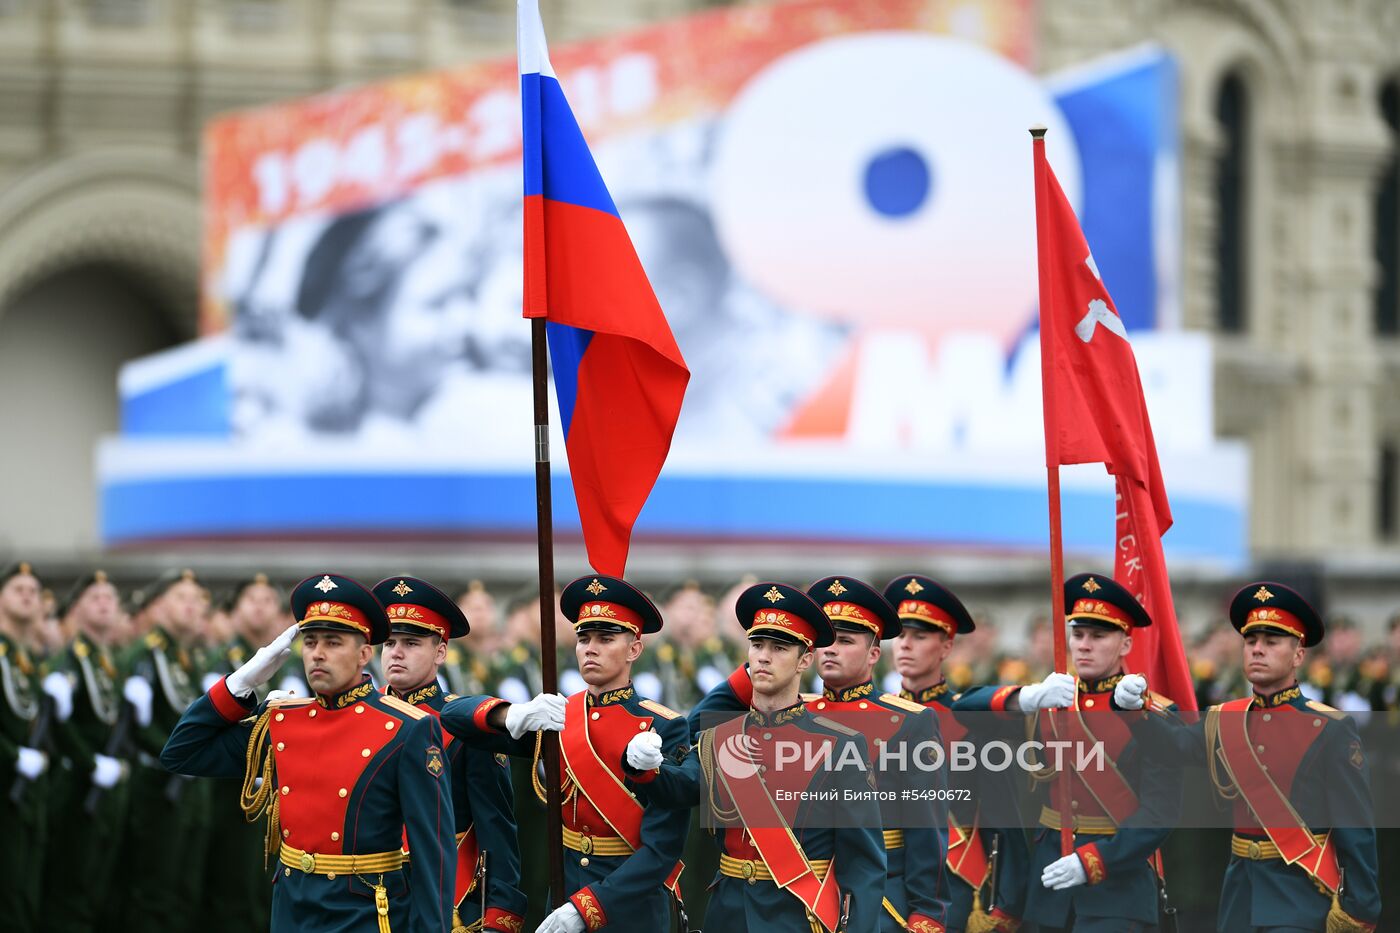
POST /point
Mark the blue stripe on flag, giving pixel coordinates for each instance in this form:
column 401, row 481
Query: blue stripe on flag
column 564, row 170
column 566, row 348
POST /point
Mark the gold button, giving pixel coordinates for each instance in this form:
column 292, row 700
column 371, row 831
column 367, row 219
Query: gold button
column 359, row 707
column 286, row 833
column 279, row 717
column 1317, row 722
column 1268, row 717
column 595, row 715
column 894, row 718
column 821, row 705
column 330, row 876
column 364, row 753
column 583, row 862
column 343, row 792
column 767, row 736
column 285, row 789
column 864, row 705
column 335, row 837
column 1258, row 748
column 281, row 746
column 389, row 724
column 641, row 726
column 1074, row 804
column 312, row 714
column 286, row 871
column 1089, row 702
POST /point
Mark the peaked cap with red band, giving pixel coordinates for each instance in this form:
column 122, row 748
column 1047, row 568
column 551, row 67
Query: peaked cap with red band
column 924, row 603
column 855, row 606
column 1276, row 608
column 783, row 613
column 1099, row 601
column 329, row 602
column 599, row 603
column 415, row 607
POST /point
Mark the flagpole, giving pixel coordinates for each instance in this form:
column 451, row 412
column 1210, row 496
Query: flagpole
column 549, row 673
column 1052, row 471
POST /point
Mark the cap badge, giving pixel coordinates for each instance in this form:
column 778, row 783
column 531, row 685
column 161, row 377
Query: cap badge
column 402, row 590
column 1091, row 585
column 1263, row 595
column 836, row 589
column 326, row 584
column 773, row 595
column 912, row 587
column 595, row 587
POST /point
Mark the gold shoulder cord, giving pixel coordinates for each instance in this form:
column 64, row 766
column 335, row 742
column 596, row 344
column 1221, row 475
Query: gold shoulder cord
column 540, row 792
column 1042, row 773
column 259, row 799
column 1225, row 788
column 707, row 766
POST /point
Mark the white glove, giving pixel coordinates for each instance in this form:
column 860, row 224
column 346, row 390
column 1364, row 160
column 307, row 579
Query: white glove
column 565, row 919
column 644, row 751
column 1064, row 873
column 1128, row 693
column 1054, row 692
column 60, row 688
column 279, row 695
column 265, row 662
column 137, row 691
column 107, row 772
column 31, row 763
column 545, row 711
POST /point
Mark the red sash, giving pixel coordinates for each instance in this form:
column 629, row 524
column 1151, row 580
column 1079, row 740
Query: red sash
column 967, row 856
column 775, row 841
column 597, row 781
column 468, row 852
column 1108, row 786
column 1280, row 822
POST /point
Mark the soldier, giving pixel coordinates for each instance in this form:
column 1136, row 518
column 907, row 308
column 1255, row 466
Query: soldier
column 1122, row 814
column 817, row 864
column 986, row 874
column 469, row 665
column 621, row 859
column 342, row 777
column 168, row 817
column 421, row 620
column 23, row 811
column 87, row 810
column 1303, row 857
column 692, row 659
column 915, row 892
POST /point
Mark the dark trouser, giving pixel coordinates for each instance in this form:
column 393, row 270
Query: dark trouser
column 83, row 853
column 24, row 827
column 166, row 844
column 237, row 879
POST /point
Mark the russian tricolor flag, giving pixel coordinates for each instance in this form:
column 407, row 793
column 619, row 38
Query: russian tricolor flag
column 618, row 373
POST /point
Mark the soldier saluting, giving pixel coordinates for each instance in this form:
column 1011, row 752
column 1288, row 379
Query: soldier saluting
column 421, row 620
column 341, row 777
column 1303, row 856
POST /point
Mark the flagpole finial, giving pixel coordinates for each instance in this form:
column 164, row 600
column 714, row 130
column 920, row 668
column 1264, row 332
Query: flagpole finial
column 1038, row 131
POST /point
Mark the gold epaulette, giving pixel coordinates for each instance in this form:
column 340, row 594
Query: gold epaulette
column 834, row 726
column 894, row 699
column 450, row 697
column 289, row 702
column 408, row 710
column 665, row 712
column 1325, row 709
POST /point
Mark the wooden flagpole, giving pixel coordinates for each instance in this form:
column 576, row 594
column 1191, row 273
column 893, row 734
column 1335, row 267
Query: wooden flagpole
column 549, row 673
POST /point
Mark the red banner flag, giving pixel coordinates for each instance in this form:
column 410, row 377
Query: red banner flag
column 1095, row 413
